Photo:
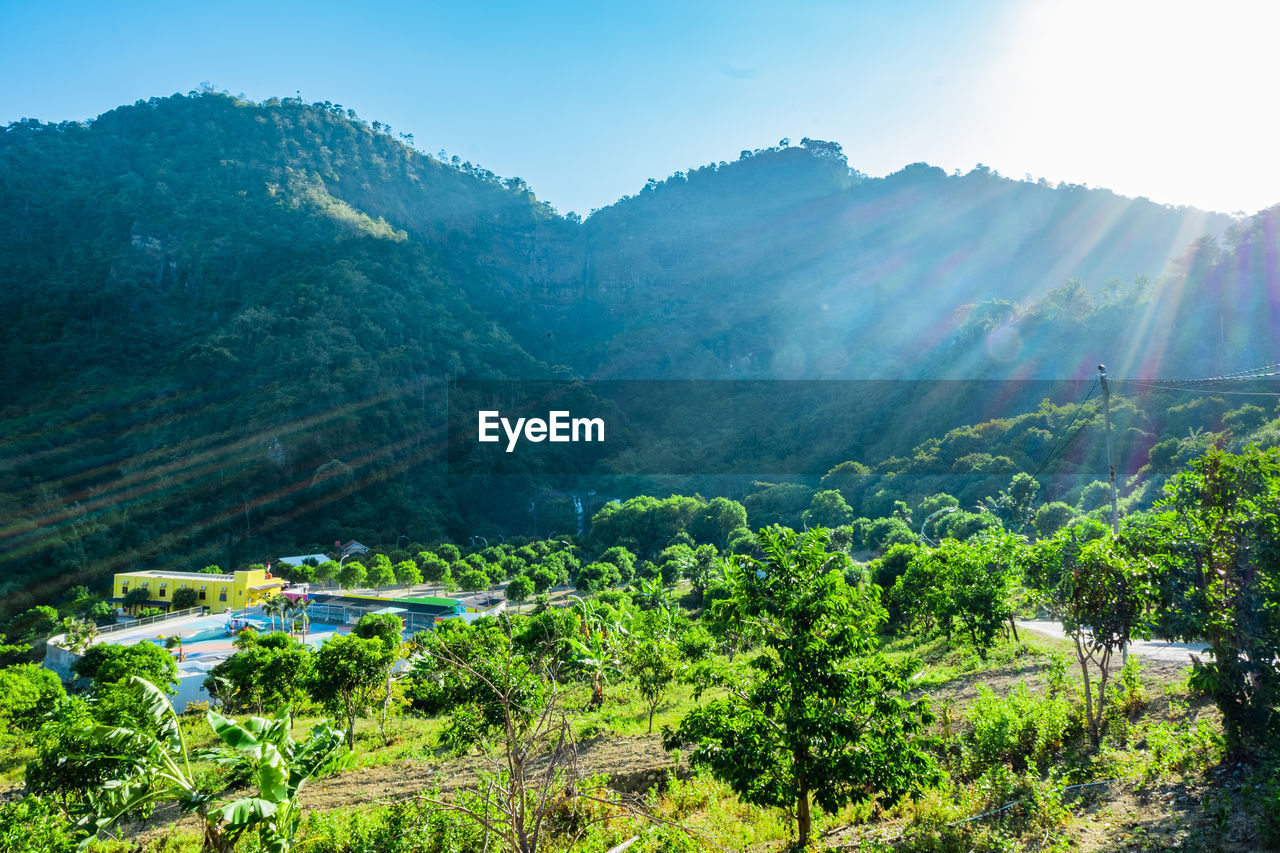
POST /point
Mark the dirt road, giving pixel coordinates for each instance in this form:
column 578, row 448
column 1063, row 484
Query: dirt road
column 1157, row 650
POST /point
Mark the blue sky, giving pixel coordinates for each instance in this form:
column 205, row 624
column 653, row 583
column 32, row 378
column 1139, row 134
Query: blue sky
column 1163, row 98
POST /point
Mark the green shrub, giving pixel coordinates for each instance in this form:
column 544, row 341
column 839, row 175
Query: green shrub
column 1266, row 802
column 1016, row 729
column 696, row 643
column 1130, row 698
column 1055, row 674
column 1176, row 747
column 34, row 825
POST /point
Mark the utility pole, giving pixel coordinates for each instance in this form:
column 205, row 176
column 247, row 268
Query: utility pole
column 1111, row 467
column 1111, row 462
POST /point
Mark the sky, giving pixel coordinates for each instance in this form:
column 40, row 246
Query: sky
column 1167, row 99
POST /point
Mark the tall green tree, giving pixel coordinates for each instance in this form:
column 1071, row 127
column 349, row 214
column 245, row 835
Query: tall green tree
column 107, row 664
column 1216, row 543
column 349, row 672
column 820, row 716
column 1100, row 596
column 408, row 574
column 380, row 572
column 519, row 589
column 265, row 675
column 27, row 693
column 351, row 575
column 968, row 586
column 650, row 664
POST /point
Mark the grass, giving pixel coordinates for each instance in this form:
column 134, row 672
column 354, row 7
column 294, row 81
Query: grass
column 1162, row 742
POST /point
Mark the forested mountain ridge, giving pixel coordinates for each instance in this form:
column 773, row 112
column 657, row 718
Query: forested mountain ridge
column 206, row 325
column 232, row 322
column 788, row 245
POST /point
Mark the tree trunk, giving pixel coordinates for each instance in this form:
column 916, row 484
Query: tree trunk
column 804, row 820
column 1015, row 630
column 386, row 700
column 1088, row 694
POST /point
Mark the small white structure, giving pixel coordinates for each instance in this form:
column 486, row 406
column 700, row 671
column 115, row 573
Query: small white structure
column 301, row 559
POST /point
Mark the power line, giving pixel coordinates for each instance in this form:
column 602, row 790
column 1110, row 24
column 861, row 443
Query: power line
column 1067, row 439
column 1151, row 388
column 1247, row 373
column 1208, row 384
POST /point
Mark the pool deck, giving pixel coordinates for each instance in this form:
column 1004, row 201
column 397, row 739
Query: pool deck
column 201, row 655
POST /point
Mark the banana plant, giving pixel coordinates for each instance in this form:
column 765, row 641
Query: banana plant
column 597, row 651
column 649, row 594
column 158, row 769
column 280, row 765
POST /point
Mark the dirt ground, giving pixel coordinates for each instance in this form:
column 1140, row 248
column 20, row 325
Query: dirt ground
column 632, row 764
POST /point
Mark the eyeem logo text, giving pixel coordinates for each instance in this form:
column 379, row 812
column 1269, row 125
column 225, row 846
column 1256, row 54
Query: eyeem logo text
column 558, row 426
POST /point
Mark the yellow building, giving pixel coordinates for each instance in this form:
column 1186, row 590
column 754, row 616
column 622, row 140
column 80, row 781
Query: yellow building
column 216, row 592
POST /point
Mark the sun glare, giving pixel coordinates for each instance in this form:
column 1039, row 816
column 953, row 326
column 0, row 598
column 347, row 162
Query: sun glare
column 1163, row 99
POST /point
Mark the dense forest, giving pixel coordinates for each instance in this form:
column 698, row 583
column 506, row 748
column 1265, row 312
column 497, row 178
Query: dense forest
column 237, row 327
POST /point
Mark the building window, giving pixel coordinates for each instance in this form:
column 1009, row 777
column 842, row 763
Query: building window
column 162, row 592
column 222, row 596
column 124, row 589
column 202, row 595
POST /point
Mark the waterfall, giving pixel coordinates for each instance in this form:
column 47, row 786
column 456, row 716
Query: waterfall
column 577, row 506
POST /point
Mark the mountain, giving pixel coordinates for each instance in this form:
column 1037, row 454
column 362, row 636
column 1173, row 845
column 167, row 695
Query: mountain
column 233, row 324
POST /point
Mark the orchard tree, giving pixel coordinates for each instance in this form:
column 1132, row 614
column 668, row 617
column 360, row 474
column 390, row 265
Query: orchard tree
column 473, row 580
column 650, row 665
column 1099, row 597
column 595, row 577
column 821, row 716
column 387, row 629
column 508, row 708
column 408, row 574
column 265, row 675
column 27, row 693
column 434, row 568
column 974, row 584
column 543, row 579
column 623, row 559
column 107, row 664
column 1216, row 542
column 519, row 589
column 349, row 672
column 327, row 572
column 676, row 562
column 351, row 575
column 381, row 573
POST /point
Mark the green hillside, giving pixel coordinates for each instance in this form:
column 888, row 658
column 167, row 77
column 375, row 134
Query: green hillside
column 234, row 324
